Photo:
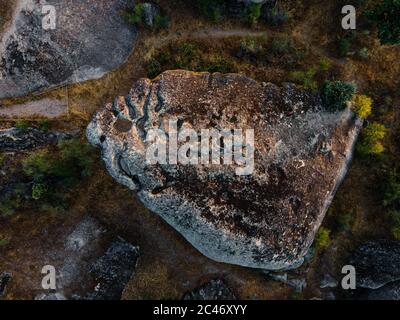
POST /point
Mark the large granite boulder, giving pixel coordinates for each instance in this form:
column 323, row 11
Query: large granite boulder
column 90, row 39
column 262, row 218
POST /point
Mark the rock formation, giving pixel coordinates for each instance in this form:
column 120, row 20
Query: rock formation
column 90, row 38
column 377, row 263
column 264, row 220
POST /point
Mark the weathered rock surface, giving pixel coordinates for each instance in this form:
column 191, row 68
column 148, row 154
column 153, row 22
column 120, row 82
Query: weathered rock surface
column 14, row 139
column 90, row 39
column 377, row 263
column 113, row 270
column 264, row 220
column 213, row 290
column 390, row 291
column 4, row 280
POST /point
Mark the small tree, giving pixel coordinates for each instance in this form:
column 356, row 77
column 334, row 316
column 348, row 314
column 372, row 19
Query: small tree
column 335, row 94
column 253, row 13
column 362, row 106
column 371, row 144
column 322, row 239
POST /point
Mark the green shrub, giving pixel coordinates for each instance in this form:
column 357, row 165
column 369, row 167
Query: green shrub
column 218, row 64
column 386, row 15
column 212, row 9
column 344, row 45
column 253, row 13
column 161, row 22
column 306, row 78
column 344, row 221
column 371, row 140
column 335, row 94
column 392, row 192
column 22, row 125
column 135, row 16
column 39, row 190
column 38, row 165
column 44, row 125
column 325, row 64
column 322, row 239
column 154, row 68
column 280, row 44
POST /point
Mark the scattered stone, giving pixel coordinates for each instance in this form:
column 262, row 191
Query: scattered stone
column 4, row 280
column 113, row 270
column 265, row 220
column 50, row 296
column 377, row 263
column 328, row 282
column 34, row 58
column 15, row 139
column 213, row 290
column 150, row 12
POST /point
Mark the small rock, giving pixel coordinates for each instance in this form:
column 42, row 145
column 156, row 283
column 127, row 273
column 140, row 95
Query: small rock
column 113, row 270
column 4, row 280
column 328, row 282
column 213, row 290
column 150, row 12
column 50, row 296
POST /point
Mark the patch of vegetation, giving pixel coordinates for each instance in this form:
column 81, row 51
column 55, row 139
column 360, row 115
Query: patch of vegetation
column 53, row 174
column 362, row 106
column 335, row 94
column 371, row 140
column 22, row 125
column 188, row 56
column 253, row 13
column 305, row 78
column 385, row 15
column 212, row 9
column 281, row 44
column 44, row 125
column 136, row 16
column 322, row 239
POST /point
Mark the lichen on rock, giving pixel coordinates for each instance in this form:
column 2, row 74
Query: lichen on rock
column 264, row 220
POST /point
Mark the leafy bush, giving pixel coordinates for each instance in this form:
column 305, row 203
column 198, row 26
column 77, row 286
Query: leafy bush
column 58, row 171
column 306, row 78
column 322, row 239
column 136, row 15
column 386, row 15
column 22, row 125
column 362, row 106
column 39, row 190
column 370, row 144
column 335, row 94
column 218, row 64
column 44, row 125
column 212, row 9
column 344, row 221
column 392, row 192
column 280, row 44
column 253, row 13
column 325, row 64
column 161, row 22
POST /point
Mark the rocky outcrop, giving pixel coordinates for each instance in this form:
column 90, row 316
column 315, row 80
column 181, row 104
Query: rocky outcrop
column 92, row 264
column 15, row 139
column 377, row 263
column 113, row 270
column 266, row 219
column 213, row 290
column 90, row 38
